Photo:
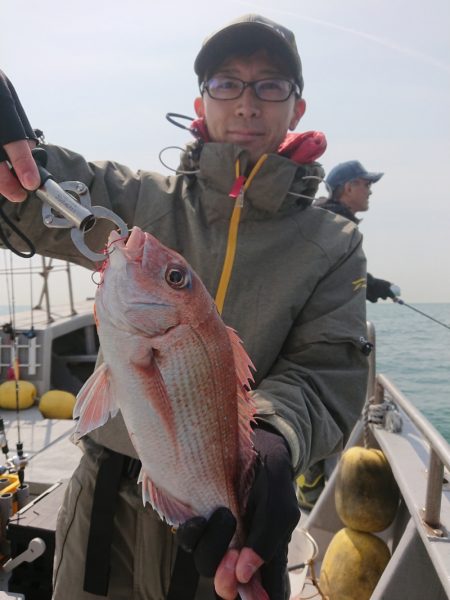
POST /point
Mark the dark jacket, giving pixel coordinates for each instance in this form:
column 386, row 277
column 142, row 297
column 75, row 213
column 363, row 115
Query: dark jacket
column 376, row 288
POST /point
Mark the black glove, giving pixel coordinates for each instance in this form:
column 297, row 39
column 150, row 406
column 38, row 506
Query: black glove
column 272, row 510
column 378, row 288
column 271, row 516
column 14, row 124
column 208, row 540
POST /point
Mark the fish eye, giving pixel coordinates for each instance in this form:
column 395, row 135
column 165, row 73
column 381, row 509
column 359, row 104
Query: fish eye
column 177, row 277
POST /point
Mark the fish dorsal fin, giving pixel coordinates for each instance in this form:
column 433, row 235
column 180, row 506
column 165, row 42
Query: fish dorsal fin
column 173, row 511
column 246, row 412
column 95, row 402
column 241, row 358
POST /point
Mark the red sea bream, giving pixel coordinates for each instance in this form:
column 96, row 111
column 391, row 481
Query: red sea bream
column 179, row 376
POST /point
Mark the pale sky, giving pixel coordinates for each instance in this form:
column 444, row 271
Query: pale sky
column 99, row 76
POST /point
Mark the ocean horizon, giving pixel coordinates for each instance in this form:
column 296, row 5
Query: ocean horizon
column 411, row 350
column 414, row 353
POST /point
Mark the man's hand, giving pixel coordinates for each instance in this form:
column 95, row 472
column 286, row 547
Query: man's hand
column 17, row 138
column 380, row 288
column 395, row 291
column 208, row 540
column 271, row 516
column 19, row 155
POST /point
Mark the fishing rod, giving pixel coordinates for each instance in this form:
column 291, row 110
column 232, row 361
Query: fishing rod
column 403, row 303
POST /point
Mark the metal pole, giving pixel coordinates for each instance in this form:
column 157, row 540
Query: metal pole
column 69, row 279
column 46, row 270
column 372, row 361
column 434, row 491
column 379, row 392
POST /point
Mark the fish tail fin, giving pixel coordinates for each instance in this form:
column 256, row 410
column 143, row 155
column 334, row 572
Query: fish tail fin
column 95, row 403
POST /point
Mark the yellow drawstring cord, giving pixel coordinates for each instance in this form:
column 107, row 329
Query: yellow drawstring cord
column 233, row 232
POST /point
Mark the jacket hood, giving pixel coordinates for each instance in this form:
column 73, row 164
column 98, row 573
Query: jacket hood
column 287, row 178
column 302, row 148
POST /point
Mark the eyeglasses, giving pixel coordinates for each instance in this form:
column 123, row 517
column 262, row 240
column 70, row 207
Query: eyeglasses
column 231, row 88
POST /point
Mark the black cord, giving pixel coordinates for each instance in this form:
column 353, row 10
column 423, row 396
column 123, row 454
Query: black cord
column 171, row 117
column 28, row 242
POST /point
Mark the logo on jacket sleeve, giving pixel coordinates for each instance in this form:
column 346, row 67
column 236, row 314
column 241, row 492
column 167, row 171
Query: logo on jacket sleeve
column 359, row 284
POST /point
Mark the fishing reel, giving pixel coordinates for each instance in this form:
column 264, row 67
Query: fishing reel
column 19, row 461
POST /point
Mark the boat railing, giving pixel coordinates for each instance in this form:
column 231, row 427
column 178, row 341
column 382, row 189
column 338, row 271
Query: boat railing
column 378, row 387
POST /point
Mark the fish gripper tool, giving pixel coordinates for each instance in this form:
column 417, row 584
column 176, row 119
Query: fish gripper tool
column 68, row 205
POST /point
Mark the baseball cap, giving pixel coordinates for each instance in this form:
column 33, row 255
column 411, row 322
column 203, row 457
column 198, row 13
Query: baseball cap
column 347, row 171
column 253, row 30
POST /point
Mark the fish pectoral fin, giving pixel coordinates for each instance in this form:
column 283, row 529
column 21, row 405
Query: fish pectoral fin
column 160, row 401
column 172, row 510
column 95, row 402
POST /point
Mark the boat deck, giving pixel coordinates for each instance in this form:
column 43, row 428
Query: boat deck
column 51, row 455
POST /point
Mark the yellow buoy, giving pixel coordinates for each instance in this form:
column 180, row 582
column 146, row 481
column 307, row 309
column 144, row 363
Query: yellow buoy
column 10, row 398
column 366, row 492
column 57, row 404
column 352, row 565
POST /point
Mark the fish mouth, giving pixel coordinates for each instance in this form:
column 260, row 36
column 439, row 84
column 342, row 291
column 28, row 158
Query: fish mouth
column 147, row 304
column 136, row 240
column 133, row 245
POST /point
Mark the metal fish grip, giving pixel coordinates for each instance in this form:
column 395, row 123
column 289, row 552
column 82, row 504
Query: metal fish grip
column 67, row 205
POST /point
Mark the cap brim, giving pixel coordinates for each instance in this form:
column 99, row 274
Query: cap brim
column 373, row 177
column 227, row 42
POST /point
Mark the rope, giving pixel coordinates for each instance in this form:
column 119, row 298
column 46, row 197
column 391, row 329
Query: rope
column 385, row 416
column 376, row 414
column 365, row 416
column 315, row 581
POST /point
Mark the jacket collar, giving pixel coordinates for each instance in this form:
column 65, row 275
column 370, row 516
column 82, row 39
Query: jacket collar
column 340, row 209
column 279, row 182
column 302, row 148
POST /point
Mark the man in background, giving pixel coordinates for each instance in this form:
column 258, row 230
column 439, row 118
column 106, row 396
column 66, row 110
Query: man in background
column 351, row 186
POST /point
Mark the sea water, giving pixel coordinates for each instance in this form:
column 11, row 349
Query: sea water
column 412, row 350
column 414, row 353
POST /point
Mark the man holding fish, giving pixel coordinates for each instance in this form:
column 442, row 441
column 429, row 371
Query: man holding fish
column 285, row 276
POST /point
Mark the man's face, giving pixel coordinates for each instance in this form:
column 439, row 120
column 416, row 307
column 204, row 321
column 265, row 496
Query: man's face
column 256, row 125
column 356, row 195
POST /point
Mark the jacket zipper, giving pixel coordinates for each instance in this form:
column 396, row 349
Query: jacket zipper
column 238, row 190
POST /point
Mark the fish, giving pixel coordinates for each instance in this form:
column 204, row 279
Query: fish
column 181, row 379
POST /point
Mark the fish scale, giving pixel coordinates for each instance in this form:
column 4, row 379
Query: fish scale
column 204, row 455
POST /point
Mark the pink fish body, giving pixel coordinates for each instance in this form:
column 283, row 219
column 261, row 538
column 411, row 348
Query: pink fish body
column 178, row 376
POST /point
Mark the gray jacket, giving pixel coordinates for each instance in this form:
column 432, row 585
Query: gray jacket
column 293, row 295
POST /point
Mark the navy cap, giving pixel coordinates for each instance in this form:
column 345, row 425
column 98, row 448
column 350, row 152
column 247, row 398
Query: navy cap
column 348, row 171
column 249, row 30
